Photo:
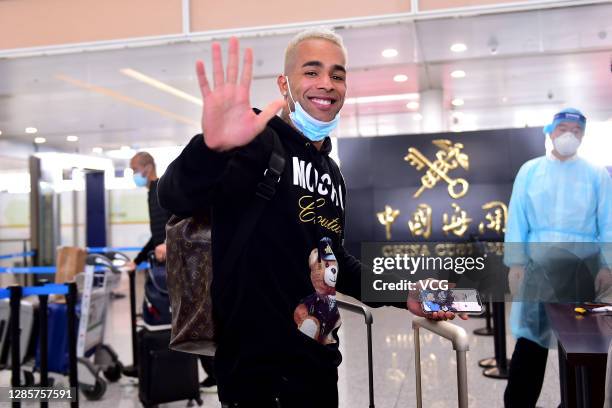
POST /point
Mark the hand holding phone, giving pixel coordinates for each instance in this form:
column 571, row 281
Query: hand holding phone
column 451, row 300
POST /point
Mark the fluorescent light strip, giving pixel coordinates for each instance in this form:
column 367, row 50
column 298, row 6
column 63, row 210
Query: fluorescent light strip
column 139, row 76
column 126, row 99
column 381, row 98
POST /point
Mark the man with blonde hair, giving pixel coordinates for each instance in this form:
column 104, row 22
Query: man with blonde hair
column 276, row 322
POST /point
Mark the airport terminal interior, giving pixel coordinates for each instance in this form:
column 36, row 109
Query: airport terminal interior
column 445, row 101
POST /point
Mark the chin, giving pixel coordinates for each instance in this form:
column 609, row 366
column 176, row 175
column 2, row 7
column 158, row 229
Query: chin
column 324, row 116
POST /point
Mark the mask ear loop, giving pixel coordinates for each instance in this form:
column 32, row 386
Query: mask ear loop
column 289, row 89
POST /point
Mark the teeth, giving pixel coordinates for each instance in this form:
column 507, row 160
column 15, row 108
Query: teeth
column 322, row 101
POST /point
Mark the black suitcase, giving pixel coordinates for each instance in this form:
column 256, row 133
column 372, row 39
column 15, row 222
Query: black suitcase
column 165, row 375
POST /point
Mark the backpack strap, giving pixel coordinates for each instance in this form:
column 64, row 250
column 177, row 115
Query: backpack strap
column 272, row 175
column 266, row 189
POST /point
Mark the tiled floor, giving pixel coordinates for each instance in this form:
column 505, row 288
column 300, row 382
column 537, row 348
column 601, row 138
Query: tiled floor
column 394, row 383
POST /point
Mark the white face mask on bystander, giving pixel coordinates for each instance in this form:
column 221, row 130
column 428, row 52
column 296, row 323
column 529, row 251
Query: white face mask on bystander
column 566, row 144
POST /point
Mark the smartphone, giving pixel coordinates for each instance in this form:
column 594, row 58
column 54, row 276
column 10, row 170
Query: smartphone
column 451, row 300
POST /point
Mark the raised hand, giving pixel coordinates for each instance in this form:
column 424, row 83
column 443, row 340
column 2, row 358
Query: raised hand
column 228, row 120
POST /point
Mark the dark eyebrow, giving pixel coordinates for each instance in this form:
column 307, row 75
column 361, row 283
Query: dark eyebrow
column 319, row 64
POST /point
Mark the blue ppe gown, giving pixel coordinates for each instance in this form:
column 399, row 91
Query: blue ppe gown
column 556, row 206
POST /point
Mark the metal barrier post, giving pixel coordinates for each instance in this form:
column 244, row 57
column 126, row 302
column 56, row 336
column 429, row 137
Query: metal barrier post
column 500, row 369
column 43, row 343
column 15, row 306
column 417, row 366
column 25, row 250
column 132, row 370
column 71, row 299
column 458, row 336
column 488, row 329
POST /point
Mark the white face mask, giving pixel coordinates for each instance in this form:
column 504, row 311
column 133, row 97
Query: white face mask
column 566, row 144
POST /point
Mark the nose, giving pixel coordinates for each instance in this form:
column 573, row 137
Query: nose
column 325, row 83
column 333, row 270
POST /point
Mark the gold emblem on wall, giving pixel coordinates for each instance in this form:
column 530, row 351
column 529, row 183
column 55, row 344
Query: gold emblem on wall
column 497, row 218
column 420, row 224
column 449, row 157
column 456, row 223
column 387, row 218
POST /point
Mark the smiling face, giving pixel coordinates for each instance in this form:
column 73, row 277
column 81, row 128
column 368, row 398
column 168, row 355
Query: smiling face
column 317, row 77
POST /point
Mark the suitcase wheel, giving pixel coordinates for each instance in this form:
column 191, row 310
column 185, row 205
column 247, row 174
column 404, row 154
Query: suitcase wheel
column 113, row 372
column 95, row 392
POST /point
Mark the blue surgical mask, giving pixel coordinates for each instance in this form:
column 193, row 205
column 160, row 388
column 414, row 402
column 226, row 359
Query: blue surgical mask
column 314, row 129
column 140, row 180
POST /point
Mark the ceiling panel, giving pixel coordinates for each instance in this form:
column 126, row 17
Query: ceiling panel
column 541, row 60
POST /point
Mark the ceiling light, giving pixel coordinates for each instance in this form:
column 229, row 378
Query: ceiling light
column 390, row 53
column 417, row 117
column 400, row 78
column 127, row 99
column 39, row 140
column 381, row 98
column 412, row 105
column 139, row 76
column 504, row 99
column 458, row 102
column 31, row 130
column 458, row 74
column 96, row 150
column 0, row 132
column 72, row 138
column 458, row 47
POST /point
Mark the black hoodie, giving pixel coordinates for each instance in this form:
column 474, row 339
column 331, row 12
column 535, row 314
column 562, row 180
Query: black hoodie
column 301, row 228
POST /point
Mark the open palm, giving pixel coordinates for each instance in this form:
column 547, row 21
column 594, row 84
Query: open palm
column 228, row 120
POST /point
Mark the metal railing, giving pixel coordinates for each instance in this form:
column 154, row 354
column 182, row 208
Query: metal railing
column 458, row 336
column 363, row 310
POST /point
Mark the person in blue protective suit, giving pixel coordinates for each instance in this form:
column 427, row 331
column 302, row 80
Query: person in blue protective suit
column 558, row 242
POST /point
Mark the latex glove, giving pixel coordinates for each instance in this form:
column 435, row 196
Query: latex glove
column 515, row 278
column 603, row 286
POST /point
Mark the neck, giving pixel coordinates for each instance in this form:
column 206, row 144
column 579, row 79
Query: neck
column 560, row 156
column 151, row 179
column 287, row 119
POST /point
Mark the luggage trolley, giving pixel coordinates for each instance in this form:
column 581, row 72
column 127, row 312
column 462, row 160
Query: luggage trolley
column 95, row 289
column 458, row 336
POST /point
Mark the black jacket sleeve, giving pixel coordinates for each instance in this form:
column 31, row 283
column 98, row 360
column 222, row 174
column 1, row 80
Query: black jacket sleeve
column 349, row 278
column 188, row 182
column 351, row 269
column 144, row 252
column 199, row 176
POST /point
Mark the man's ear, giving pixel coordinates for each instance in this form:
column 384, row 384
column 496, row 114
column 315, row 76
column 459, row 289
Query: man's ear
column 281, row 81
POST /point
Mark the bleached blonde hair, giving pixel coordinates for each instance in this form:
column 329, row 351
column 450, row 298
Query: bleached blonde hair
column 314, row 33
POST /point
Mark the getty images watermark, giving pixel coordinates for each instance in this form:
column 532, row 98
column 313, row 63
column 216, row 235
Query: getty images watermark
column 559, row 272
column 405, row 264
column 391, row 270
